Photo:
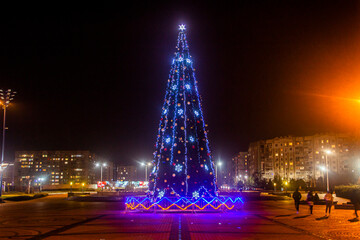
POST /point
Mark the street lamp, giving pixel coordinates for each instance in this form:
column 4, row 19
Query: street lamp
column 322, row 168
column 216, row 168
column 286, row 183
column 40, row 180
column 101, row 165
column 82, row 185
column 6, row 97
column 71, row 183
column 146, row 166
column 275, row 187
column 327, row 152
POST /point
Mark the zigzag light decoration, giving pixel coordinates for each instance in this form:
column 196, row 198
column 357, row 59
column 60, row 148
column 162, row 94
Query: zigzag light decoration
column 183, row 204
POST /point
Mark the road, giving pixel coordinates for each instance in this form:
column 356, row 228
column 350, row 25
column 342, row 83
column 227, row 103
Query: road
column 54, row 217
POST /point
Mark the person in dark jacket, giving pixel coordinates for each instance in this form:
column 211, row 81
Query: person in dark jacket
column 310, row 201
column 297, row 196
column 316, row 198
column 355, row 199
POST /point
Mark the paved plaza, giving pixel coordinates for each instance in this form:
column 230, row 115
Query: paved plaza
column 54, row 217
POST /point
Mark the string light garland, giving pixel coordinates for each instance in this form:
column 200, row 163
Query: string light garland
column 182, row 146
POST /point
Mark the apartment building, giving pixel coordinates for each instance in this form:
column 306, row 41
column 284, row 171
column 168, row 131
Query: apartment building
column 303, row 157
column 53, row 167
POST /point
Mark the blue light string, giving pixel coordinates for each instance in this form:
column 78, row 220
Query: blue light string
column 165, row 117
column 207, row 141
column 185, row 116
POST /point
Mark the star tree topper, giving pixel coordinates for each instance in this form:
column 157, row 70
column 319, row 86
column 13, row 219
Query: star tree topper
column 182, row 27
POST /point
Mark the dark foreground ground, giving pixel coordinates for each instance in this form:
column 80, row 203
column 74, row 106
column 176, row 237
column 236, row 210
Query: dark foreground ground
column 54, row 217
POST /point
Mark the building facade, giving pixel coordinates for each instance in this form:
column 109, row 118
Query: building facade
column 8, row 177
column 53, row 167
column 127, row 173
column 303, row 157
column 240, row 166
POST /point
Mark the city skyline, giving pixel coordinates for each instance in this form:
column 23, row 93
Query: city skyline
column 78, row 78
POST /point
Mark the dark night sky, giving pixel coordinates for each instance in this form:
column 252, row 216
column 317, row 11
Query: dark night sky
column 93, row 77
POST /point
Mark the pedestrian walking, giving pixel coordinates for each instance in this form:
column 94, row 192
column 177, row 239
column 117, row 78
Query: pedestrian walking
column 297, row 196
column 355, row 199
column 310, row 201
column 329, row 199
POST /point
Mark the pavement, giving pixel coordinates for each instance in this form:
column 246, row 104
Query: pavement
column 54, row 217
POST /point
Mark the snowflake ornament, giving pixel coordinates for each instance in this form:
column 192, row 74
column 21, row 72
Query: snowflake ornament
column 178, row 168
column 195, row 194
column 161, row 194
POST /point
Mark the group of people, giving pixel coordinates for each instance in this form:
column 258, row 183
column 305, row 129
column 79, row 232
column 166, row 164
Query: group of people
column 311, row 199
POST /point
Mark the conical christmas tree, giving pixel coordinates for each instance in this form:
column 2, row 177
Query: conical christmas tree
column 183, row 166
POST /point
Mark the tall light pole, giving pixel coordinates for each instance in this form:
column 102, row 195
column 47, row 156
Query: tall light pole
column 146, row 166
column 327, row 152
column 216, row 168
column 40, row 181
column 101, row 165
column 6, row 98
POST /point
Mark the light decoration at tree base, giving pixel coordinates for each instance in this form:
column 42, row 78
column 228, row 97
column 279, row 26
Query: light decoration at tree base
column 184, row 204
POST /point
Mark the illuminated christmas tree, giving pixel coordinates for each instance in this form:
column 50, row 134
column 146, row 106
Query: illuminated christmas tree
column 183, row 165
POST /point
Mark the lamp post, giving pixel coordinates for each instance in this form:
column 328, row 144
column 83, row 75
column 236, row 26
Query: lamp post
column 29, row 186
column 275, row 187
column 146, row 164
column 6, row 98
column 71, row 183
column 101, row 165
column 327, row 152
column 40, row 180
column 286, row 183
column 82, row 187
column 216, row 168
